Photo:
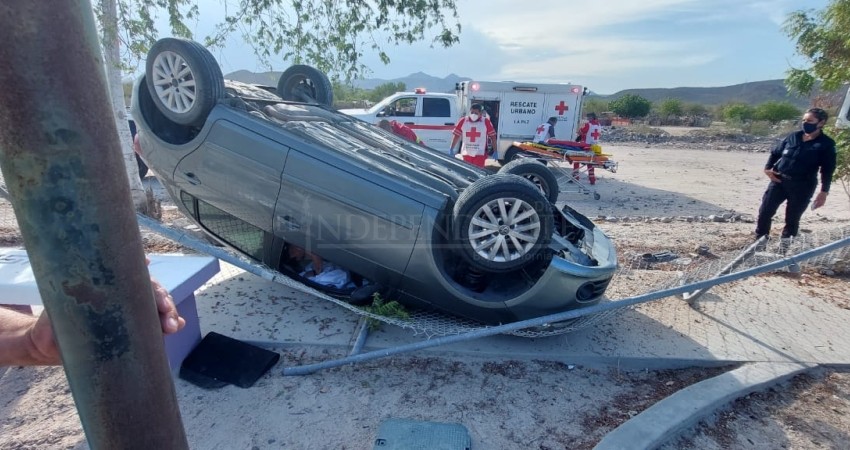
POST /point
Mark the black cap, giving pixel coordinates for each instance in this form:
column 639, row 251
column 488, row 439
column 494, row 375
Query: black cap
column 476, row 106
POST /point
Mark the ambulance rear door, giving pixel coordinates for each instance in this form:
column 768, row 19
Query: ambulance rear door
column 566, row 107
column 520, row 114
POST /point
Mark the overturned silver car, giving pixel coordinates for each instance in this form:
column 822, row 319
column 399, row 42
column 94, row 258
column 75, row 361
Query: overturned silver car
column 278, row 176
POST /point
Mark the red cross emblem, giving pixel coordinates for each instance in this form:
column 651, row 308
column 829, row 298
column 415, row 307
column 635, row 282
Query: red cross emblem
column 541, row 129
column 561, row 107
column 472, row 134
column 595, row 134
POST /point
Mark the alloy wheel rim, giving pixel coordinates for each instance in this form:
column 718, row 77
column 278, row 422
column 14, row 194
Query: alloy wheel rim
column 174, row 82
column 504, row 229
column 537, row 181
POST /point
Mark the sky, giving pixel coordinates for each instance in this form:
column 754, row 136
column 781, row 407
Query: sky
column 605, row 45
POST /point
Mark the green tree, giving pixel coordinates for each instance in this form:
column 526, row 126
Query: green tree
column 695, row 109
column 631, row 106
column 329, row 35
column 671, row 107
column 594, row 105
column 348, row 96
column 333, row 36
column 385, row 90
column 738, row 112
column 775, row 111
column 821, row 37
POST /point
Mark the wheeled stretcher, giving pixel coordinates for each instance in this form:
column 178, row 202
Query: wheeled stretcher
column 562, row 157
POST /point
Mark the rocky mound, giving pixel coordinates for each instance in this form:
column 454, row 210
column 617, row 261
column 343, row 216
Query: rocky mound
column 708, row 139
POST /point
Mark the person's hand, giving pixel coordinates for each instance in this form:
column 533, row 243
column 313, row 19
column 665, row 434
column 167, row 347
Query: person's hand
column 773, row 175
column 820, row 200
column 42, row 342
column 169, row 318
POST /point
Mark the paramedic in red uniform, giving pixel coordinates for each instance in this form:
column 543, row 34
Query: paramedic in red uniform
column 474, row 129
column 400, row 129
column 589, row 134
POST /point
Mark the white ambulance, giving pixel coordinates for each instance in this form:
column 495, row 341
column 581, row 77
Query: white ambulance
column 515, row 109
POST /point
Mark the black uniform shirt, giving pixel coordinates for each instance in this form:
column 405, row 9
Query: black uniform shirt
column 796, row 160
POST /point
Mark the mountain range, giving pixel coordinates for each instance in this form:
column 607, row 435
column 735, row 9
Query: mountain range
column 753, row 93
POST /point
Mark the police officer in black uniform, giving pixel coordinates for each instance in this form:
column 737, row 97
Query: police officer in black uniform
column 793, row 168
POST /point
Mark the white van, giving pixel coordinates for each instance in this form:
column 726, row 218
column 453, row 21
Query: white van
column 431, row 116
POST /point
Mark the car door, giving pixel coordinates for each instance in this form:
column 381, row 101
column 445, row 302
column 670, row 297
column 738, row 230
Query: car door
column 345, row 214
column 434, row 123
column 234, row 176
column 402, row 109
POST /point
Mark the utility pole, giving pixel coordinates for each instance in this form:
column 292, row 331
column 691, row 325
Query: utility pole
column 61, row 159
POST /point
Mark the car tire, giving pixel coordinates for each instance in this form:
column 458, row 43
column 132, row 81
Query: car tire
column 184, row 80
column 537, row 173
column 143, row 168
column 510, row 154
column 485, row 228
column 305, row 84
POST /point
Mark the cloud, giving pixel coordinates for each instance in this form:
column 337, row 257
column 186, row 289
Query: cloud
column 561, row 41
column 538, row 22
column 618, row 56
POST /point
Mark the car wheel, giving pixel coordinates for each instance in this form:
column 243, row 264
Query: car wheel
column 510, row 154
column 502, row 222
column 537, row 174
column 306, row 84
column 184, row 80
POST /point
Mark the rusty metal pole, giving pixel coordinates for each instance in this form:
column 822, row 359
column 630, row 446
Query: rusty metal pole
column 61, row 158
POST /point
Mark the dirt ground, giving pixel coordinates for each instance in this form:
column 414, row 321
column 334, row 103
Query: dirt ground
column 509, row 404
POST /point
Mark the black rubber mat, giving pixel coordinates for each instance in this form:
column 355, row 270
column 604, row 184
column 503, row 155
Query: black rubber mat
column 219, row 360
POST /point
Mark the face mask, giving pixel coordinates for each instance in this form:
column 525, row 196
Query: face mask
column 473, row 117
column 809, row 128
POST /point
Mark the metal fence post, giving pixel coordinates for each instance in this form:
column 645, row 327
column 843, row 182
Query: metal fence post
column 61, row 159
